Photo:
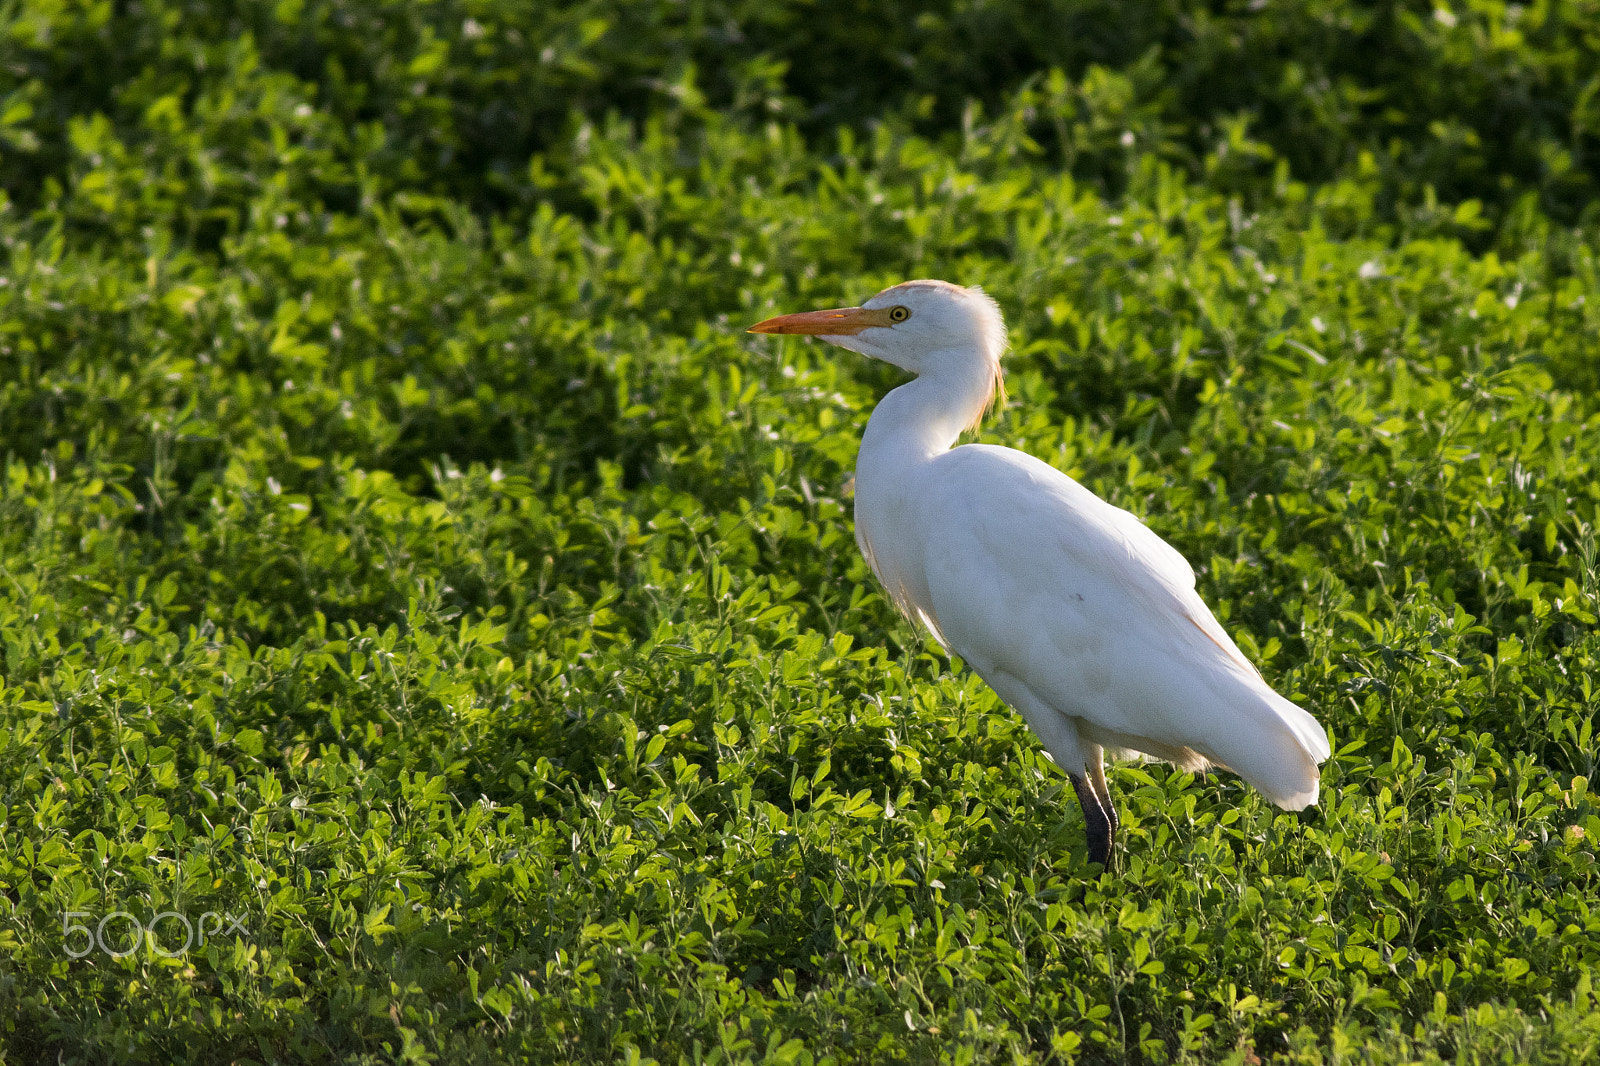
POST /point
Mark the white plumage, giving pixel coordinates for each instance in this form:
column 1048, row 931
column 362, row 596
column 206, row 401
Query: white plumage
column 1079, row 617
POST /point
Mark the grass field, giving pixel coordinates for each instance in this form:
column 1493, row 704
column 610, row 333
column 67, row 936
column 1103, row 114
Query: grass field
column 429, row 615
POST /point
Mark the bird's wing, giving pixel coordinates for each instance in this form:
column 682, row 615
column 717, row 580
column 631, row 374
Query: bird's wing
column 1000, row 523
column 1034, row 578
column 1146, row 549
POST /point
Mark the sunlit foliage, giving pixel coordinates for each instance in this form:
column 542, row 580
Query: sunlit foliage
column 403, row 552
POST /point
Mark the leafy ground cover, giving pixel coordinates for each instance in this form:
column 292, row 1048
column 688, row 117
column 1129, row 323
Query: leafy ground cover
column 406, row 562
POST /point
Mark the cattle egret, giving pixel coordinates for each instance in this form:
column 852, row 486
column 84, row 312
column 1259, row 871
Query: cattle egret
column 1074, row 612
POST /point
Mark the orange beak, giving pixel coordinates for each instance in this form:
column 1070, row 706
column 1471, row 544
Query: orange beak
column 837, row 322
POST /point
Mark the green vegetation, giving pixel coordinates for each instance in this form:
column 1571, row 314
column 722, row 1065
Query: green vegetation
column 404, row 554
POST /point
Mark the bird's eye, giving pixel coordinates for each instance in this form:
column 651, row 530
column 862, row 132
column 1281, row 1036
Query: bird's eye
column 899, row 314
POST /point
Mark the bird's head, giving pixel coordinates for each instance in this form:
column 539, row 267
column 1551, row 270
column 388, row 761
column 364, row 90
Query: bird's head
column 919, row 326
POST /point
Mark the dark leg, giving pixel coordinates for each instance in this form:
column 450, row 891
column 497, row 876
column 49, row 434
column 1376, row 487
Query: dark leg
column 1095, row 758
column 1097, row 826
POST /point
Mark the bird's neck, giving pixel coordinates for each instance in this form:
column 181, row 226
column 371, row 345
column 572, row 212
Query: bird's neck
column 923, row 417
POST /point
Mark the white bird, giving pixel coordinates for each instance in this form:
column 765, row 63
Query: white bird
column 1074, row 612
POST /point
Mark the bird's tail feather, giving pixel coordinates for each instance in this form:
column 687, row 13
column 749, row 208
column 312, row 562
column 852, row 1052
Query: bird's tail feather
column 1280, row 757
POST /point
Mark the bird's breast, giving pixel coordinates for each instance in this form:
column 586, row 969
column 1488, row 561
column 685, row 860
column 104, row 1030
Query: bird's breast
column 890, row 535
